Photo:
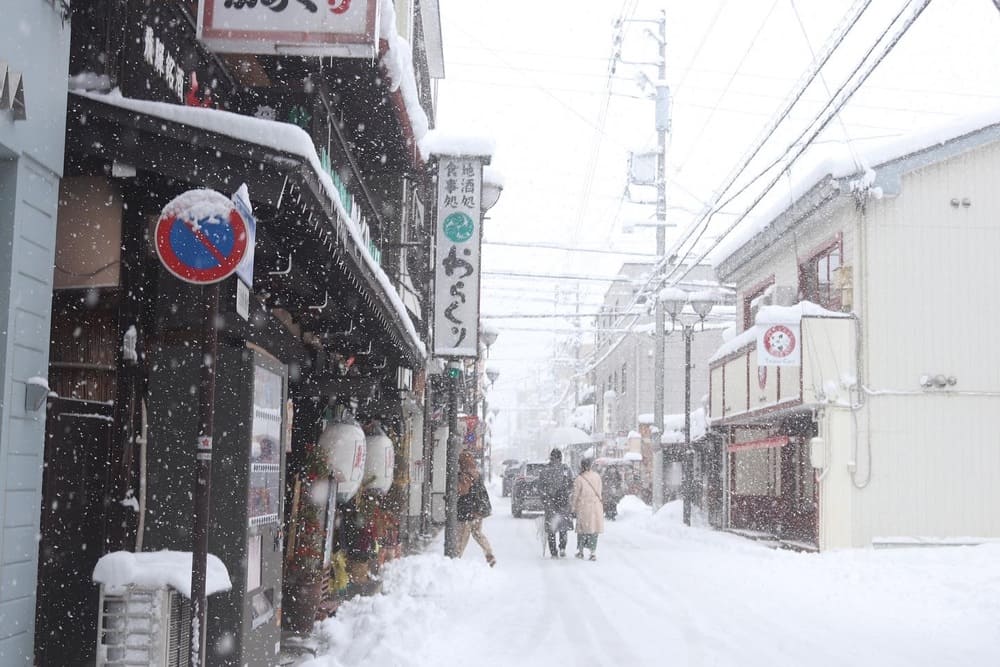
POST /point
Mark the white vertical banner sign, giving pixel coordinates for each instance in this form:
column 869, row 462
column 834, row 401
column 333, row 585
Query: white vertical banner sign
column 458, row 237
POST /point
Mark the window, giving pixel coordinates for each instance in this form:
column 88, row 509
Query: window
column 756, row 297
column 818, row 274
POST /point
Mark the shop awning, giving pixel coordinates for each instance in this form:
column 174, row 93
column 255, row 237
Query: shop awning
column 221, row 150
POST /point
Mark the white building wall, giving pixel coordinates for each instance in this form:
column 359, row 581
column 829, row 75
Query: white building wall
column 928, row 304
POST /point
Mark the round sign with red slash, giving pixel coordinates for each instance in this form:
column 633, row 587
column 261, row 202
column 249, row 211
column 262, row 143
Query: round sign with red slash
column 779, row 341
column 201, row 237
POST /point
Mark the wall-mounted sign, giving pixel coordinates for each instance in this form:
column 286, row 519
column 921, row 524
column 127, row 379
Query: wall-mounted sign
column 201, row 237
column 339, row 28
column 778, row 345
column 458, row 235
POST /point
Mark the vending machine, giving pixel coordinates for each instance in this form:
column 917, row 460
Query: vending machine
column 252, row 436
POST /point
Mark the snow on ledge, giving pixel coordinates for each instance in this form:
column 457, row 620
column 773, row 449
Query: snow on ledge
column 157, row 569
column 438, row 142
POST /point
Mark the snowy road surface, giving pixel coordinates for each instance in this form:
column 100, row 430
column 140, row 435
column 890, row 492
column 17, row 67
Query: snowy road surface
column 663, row 594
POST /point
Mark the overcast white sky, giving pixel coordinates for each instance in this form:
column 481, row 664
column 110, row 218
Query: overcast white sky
column 535, row 77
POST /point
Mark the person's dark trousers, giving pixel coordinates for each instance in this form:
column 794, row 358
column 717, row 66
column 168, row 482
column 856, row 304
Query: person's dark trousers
column 562, row 542
column 550, row 520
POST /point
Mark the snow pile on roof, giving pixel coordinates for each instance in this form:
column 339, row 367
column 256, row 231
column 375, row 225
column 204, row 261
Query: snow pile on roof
column 90, row 81
column 493, row 176
column 156, row 569
column 645, row 418
column 674, row 427
column 280, row 136
column 768, row 315
column 398, row 63
column 439, row 142
column 840, row 161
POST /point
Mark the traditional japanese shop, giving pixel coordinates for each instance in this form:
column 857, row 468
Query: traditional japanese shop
column 313, row 334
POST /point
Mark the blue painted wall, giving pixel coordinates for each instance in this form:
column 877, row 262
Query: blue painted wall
column 34, row 40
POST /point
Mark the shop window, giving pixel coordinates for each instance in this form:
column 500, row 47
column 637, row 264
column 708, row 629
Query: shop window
column 818, row 276
column 758, row 472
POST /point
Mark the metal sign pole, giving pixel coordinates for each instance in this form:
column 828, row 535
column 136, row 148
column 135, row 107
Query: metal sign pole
column 451, row 464
column 203, row 484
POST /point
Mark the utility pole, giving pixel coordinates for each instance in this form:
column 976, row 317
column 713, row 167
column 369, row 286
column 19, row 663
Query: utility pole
column 662, row 118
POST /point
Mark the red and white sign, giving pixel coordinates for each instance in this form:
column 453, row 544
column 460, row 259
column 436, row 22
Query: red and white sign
column 778, row 345
column 201, row 237
column 338, row 28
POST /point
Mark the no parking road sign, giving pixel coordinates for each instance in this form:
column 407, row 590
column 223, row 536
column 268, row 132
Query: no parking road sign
column 201, row 237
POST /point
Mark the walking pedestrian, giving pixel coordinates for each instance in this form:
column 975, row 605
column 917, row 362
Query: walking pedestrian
column 473, row 506
column 554, row 483
column 588, row 506
column 612, row 490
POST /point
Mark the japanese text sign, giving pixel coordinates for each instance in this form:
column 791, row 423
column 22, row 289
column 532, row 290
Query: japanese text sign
column 339, row 28
column 458, row 235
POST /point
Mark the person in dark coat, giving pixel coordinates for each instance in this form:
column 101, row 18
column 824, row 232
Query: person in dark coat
column 555, row 481
column 614, row 489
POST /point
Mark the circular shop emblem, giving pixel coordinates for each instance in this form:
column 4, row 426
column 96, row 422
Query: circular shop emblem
column 779, row 341
column 458, row 227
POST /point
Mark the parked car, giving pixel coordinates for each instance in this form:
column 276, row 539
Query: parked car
column 510, row 472
column 524, row 494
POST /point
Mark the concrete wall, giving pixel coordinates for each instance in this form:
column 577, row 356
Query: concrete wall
column 34, row 41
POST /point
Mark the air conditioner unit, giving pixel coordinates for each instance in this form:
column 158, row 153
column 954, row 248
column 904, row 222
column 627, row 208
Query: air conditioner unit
column 144, row 626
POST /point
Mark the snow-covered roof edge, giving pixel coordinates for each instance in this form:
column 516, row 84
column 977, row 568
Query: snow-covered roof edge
column 840, row 163
column 398, row 63
column 280, row 136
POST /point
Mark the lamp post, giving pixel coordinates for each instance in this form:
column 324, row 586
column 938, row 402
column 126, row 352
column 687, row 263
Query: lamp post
column 674, row 300
column 491, row 374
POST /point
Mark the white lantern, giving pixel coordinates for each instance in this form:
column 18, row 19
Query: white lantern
column 380, row 461
column 344, row 446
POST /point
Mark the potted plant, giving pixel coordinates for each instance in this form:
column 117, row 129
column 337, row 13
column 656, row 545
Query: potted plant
column 304, row 571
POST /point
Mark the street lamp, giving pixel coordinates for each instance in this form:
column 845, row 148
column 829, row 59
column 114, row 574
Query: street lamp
column 673, row 300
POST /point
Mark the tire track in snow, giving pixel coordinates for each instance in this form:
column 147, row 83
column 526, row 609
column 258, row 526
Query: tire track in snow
column 679, row 613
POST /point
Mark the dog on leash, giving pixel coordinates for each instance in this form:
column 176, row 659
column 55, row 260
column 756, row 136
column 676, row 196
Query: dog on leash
column 540, row 534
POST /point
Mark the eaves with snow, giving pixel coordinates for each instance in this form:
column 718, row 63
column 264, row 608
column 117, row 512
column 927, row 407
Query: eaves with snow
column 845, row 171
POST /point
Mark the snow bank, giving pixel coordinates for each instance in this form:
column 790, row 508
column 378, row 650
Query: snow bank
column 392, row 628
column 439, row 142
column 156, row 569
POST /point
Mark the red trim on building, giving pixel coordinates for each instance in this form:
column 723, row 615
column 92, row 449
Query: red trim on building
column 766, row 443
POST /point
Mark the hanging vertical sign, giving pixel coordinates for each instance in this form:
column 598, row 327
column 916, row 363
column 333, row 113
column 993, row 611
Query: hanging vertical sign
column 458, row 236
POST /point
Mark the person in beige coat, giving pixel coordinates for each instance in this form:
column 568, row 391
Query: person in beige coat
column 588, row 506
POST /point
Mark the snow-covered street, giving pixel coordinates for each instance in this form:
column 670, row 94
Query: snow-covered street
column 661, row 593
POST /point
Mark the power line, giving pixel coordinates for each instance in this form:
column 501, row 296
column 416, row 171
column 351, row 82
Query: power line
column 836, row 106
column 554, row 246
